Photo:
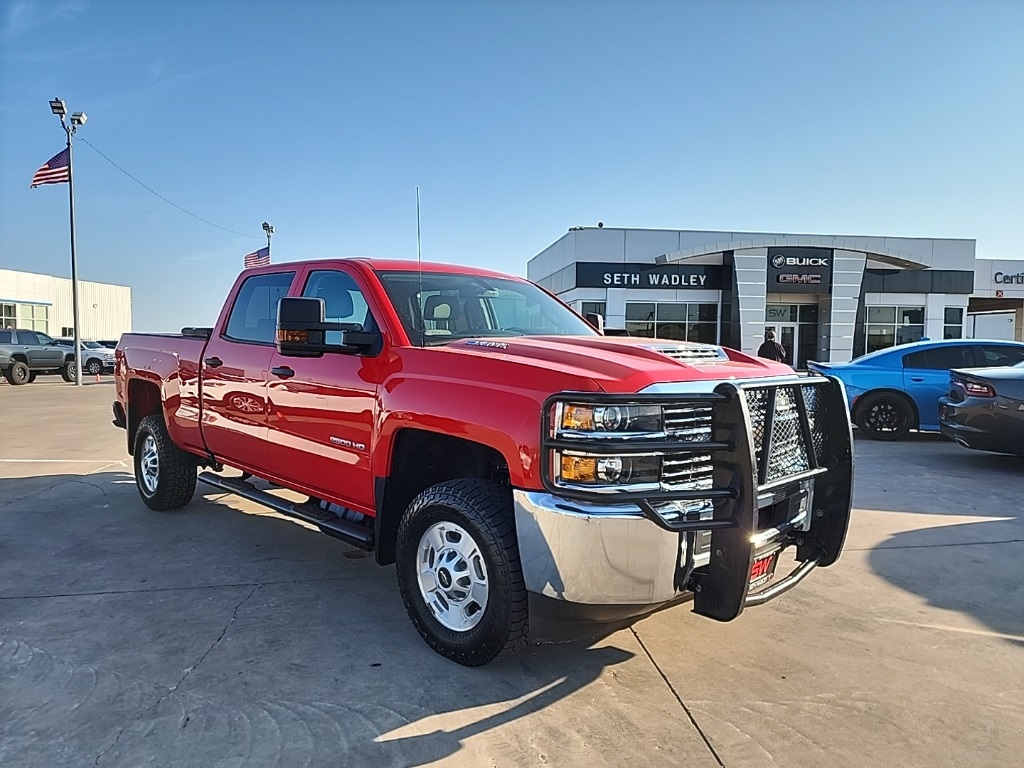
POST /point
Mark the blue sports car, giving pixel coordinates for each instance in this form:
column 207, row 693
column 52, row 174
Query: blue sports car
column 893, row 391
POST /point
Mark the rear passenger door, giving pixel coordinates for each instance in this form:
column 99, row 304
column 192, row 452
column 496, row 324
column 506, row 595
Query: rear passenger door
column 234, row 372
column 926, row 376
column 41, row 355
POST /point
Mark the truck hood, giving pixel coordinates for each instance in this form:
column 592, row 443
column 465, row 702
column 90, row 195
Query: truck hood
column 621, row 364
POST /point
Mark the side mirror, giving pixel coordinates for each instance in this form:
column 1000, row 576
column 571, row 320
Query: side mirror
column 596, row 320
column 302, row 331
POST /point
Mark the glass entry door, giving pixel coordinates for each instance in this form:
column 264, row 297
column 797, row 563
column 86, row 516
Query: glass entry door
column 787, row 334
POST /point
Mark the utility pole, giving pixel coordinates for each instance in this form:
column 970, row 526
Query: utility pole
column 70, row 128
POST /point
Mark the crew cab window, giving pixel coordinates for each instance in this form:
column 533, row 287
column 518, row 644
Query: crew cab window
column 28, row 337
column 6, row 337
column 254, row 315
column 942, row 358
column 999, row 355
column 343, row 301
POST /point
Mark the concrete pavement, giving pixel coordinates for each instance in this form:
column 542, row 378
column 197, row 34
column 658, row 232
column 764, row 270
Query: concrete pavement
column 223, row 635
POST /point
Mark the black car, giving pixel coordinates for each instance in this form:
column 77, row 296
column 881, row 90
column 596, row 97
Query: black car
column 984, row 409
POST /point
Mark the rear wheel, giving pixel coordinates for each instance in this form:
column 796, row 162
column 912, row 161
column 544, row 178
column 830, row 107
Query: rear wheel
column 885, row 416
column 459, row 573
column 17, row 373
column 164, row 474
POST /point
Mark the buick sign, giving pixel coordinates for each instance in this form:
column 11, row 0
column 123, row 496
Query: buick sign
column 799, row 270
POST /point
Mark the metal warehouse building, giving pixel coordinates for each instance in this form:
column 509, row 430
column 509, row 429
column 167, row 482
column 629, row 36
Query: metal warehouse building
column 828, row 297
column 43, row 303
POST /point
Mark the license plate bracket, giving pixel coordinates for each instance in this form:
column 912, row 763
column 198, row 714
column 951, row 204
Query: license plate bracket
column 763, row 569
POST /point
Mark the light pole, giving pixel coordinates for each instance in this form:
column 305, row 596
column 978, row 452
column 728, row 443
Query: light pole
column 269, row 229
column 70, row 128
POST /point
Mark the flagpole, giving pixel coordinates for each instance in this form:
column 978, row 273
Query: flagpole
column 59, row 108
column 269, row 229
column 74, row 266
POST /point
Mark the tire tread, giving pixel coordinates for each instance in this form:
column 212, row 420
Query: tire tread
column 177, row 482
column 491, row 504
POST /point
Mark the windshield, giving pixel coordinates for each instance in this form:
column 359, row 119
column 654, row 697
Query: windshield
column 439, row 307
column 92, row 344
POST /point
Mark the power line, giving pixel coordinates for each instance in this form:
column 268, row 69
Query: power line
column 169, row 202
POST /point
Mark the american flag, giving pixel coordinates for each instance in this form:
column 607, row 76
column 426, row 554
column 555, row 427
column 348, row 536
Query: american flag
column 54, row 171
column 260, row 258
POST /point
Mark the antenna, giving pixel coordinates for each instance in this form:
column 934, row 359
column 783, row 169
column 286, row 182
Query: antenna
column 419, row 265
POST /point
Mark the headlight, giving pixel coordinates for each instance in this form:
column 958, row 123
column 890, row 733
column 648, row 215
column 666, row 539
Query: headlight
column 580, row 469
column 612, row 420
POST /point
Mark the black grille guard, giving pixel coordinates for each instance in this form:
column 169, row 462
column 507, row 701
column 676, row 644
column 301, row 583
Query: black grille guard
column 740, row 477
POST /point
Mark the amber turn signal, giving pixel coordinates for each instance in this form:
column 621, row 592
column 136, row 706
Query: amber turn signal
column 578, row 417
column 579, row 469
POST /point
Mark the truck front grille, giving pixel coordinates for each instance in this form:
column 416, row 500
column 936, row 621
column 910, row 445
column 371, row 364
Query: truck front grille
column 689, row 423
column 787, row 450
column 786, row 446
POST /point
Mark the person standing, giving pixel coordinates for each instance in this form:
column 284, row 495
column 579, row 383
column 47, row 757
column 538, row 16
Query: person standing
column 771, row 349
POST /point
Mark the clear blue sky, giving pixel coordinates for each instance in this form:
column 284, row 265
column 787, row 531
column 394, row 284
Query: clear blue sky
column 517, row 121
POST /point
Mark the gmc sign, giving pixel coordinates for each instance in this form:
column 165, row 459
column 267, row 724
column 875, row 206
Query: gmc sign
column 799, row 270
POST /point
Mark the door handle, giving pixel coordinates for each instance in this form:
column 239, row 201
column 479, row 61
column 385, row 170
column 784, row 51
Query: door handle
column 213, row 362
column 283, row 372
column 918, row 379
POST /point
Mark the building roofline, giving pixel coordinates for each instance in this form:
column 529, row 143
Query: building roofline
column 764, row 232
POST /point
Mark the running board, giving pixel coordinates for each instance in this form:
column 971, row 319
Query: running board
column 351, row 533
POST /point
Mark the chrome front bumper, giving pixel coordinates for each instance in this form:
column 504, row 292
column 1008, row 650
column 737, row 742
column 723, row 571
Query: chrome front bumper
column 594, row 554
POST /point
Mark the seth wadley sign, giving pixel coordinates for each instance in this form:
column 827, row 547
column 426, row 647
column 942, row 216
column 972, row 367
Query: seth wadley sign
column 591, row 274
column 655, row 280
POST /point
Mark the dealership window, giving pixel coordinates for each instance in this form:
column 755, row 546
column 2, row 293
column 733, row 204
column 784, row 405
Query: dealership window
column 677, row 321
column 30, row 317
column 953, row 327
column 888, row 326
column 593, row 307
column 8, row 316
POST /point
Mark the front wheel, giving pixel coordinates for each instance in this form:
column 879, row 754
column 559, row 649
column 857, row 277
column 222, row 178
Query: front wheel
column 459, row 573
column 885, row 416
column 17, row 373
column 164, row 474
column 94, row 367
column 68, row 371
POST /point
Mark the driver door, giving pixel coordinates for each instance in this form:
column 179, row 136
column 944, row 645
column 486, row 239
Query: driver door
column 322, row 409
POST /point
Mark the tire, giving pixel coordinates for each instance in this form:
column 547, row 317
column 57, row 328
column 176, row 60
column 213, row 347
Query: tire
column 449, row 616
column 32, row 376
column 94, row 367
column 68, row 371
column 164, row 474
column 885, row 416
column 17, row 373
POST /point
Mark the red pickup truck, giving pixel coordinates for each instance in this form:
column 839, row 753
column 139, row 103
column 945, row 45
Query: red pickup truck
column 523, row 470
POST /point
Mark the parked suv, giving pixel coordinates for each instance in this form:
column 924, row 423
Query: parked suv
column 23, row 354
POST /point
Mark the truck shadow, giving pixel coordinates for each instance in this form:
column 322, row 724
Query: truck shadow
column 964, row 551
column 320, row 652
column 975, row 569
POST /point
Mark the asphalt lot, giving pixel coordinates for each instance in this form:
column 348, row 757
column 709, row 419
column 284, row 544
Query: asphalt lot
column 222, row 635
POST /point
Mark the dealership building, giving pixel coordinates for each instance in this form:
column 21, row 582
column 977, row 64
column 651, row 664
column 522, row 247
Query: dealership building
column 827, row 297
column 37, row 302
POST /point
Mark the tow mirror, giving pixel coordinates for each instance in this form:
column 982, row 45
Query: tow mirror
column 302, row 331
column 596, row 320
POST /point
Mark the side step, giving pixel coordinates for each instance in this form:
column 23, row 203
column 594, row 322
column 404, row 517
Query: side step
column 351, row 533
